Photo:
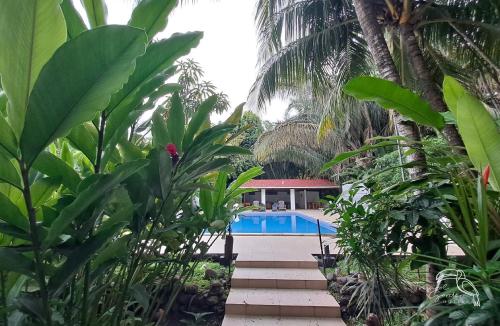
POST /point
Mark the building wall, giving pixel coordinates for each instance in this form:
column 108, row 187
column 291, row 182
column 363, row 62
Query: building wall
column 275, row 195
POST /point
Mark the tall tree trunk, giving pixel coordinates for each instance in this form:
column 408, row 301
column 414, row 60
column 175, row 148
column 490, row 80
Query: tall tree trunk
column 387, row 69
column 425, row 81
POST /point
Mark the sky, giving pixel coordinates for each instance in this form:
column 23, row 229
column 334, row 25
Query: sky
column 228, row 51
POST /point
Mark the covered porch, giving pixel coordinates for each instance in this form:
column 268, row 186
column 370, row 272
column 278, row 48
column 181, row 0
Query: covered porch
column 295, row 193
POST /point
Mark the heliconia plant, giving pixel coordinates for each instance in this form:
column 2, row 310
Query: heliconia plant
column 89, row 217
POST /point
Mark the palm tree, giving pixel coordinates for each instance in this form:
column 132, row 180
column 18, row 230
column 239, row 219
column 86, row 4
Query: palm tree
column 306, row 138
column 320, row 41
column 377, row 44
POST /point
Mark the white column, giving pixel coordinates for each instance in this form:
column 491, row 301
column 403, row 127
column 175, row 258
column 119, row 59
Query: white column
column 263, row 196
column 292, row 199
column 305, row 198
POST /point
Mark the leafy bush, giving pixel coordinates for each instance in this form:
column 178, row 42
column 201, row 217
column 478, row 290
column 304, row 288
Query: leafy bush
column 449, row 204
column 99, row 228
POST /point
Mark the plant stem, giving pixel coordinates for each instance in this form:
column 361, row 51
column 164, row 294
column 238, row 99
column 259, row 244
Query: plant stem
column 100, row 142
column 36, row 243
column 97, row 170
column 3, row 297
column 132, row 130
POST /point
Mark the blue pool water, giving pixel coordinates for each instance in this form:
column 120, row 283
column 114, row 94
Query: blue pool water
column 274, row 223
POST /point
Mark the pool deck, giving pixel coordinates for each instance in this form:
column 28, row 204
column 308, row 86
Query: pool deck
column 289, row 246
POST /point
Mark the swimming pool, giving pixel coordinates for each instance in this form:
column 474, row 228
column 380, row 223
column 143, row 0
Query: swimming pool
column 278, row 223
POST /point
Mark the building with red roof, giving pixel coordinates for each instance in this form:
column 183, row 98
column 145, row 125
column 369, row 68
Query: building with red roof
column 295, row 193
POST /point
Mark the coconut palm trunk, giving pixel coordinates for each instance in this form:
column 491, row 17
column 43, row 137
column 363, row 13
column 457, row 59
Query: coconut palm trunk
column 387, row 69
column 429, row 89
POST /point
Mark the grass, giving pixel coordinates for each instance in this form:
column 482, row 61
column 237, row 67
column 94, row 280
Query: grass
column 198, row 277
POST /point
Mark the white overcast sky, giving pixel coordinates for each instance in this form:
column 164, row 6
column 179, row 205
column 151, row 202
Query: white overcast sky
column 228, row 50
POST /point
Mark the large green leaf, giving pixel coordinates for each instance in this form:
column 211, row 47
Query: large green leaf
column 151, row 71
column 77, row 82
column 158, row 57
column 151, row 15
column 7, row 138
column 96, row 12
column 78, row 258
column 159, row 130
column 244, row 178
column 88, row 196
column 53, row 166
column 235, row 117
column 11, row 214
column 390, row 95
column 30, row 32
column 84, row 138
column 452, row 90
column 200, row 116
column 480, row 135
column 42, row 190
column 74, row 22
column 3, row 102
column 12, row 261
column 8, row 172
column 347, row 155
column 176, row 121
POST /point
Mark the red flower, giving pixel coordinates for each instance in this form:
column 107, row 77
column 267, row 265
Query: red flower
column 171, row 149
column 486, row 174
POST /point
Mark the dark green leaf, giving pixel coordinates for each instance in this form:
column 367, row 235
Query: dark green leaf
column 159, row 130
column 346, row 155
column 8, row 172
column 12, row 261
column 14, row 231
column 151, row 15
column 42, row 189
column 88, row 196
column 201, row 114
column 7, row 138
column 390, row 95
column 96, row 12
column 78, row 258
column 102, row 59
column 53, row 166
column 74, row 22
column 141, row 295
column 84, row 138
column 158, row 58
column 478, row 317
column 176, row 121
column 11, row 214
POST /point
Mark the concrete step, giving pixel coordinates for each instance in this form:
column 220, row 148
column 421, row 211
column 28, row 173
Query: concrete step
column 282, row 302
column 278, row 278
column 269, row 259
column 239, row 320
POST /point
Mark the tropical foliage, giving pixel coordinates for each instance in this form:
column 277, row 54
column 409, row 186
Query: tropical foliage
column 96, row 227
column 449, row 202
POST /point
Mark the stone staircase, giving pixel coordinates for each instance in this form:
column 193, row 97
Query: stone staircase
column 279, row 292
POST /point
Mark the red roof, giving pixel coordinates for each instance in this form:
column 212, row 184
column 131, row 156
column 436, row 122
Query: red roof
column 289, row 184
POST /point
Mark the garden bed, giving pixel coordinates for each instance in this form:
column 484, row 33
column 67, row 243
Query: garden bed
column 203, row 297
